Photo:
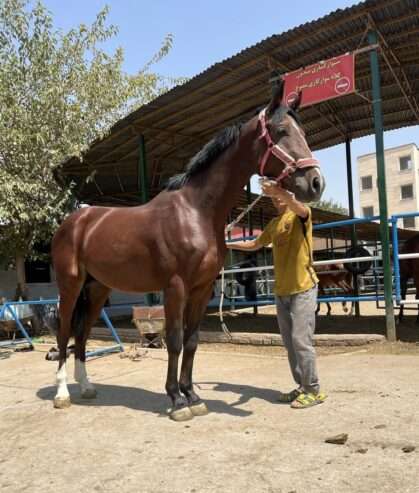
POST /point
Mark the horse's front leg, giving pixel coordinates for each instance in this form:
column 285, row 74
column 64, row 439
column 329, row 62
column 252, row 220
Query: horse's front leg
column 194, row 313
column 174, row 303
column 329, row 308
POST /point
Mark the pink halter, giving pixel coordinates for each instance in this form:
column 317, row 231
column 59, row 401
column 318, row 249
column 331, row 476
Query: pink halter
column 291, row 165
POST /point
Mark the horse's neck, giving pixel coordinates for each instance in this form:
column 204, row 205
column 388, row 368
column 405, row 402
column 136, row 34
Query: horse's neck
column 215, row 192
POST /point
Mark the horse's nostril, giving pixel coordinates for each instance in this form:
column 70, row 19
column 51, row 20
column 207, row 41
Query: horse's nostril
column 315, row 184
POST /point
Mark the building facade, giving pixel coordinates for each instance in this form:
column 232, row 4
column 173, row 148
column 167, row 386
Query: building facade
column 402, row 180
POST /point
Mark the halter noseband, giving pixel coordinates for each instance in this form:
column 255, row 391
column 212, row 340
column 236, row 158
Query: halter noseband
column 291, row 164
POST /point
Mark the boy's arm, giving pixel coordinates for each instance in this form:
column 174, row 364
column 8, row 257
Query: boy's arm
column 263, row 240
column 288, row 197
column 245, row 246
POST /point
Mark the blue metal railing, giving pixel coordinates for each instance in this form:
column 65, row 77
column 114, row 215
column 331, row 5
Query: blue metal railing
column 333, row 224
column 8, row 305
column 346, row 222
column 396, row 259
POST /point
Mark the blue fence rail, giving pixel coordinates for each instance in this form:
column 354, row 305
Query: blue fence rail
column 396, row 253
column 9, row 306
column 393, row 220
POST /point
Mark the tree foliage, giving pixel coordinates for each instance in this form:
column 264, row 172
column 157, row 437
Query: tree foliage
column 58, row 92
column 330, row 205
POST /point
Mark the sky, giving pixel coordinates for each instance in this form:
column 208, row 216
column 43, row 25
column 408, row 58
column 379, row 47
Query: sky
column 206, row 32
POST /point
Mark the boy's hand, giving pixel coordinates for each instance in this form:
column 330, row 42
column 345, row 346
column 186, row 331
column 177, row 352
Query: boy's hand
column 275, row 190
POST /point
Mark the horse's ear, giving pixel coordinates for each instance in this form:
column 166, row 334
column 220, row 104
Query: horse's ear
column 297, row 101
column 277, row 88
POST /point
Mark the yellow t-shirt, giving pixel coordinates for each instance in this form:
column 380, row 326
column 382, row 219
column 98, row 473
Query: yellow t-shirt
column 294, row 272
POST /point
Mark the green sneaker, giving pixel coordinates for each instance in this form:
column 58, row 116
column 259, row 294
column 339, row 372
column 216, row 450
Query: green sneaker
column 305, row 400
column 289, row 397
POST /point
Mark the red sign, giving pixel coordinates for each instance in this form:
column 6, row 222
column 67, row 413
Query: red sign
column 324, row 80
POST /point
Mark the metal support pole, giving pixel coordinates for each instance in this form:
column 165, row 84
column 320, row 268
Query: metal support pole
column 250, row 214
column 143, row 189
column 382, row 195
column 231, row 252
column 250, row 224
column 396, row 262
column 142, row 172
column 354, row 240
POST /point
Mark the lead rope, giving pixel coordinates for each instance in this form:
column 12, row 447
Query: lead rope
column 228, row 229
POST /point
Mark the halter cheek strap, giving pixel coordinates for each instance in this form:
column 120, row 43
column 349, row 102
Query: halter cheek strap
column 291, row 164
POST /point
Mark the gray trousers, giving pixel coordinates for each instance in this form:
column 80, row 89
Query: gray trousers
column 297, row 319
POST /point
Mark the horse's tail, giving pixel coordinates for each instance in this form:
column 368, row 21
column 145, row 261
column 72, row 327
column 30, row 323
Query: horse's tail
column 79, row 313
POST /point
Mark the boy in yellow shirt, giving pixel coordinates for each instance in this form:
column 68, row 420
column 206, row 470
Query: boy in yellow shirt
column 290, row 234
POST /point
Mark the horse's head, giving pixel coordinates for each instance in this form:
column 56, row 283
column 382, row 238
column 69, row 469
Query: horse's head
column 287, row 157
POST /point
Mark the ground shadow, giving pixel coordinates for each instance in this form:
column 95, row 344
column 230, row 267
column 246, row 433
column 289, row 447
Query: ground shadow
column 245, row 392
column 4, row 354
column 135, row 398
column 407, row 331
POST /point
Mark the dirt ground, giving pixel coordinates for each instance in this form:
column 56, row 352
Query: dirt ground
column 123, row 441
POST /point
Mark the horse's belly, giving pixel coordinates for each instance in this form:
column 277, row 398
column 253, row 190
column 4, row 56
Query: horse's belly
column 126, row 278
column 127, row 270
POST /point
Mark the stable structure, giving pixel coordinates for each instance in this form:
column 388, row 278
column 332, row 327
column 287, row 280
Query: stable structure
column 144, row 149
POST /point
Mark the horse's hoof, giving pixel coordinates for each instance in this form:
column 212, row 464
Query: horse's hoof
column 199, row 409
column 62, row 402
column 183, row 414
column 89, row 394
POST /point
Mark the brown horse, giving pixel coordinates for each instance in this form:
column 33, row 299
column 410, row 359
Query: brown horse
column 334, row 277
column 174, row 243
column 409, row 269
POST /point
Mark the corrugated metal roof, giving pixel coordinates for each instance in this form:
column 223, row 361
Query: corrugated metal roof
column 178, row 123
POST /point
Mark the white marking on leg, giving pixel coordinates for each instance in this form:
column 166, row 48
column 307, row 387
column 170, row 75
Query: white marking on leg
column 62, row 390
column 80, row 376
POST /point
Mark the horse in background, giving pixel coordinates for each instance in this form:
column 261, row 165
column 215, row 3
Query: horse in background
column 409, row 269
column 334, row 277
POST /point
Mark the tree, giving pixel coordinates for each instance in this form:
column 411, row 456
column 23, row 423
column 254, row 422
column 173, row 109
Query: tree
column 330, row 205
column 58, row 92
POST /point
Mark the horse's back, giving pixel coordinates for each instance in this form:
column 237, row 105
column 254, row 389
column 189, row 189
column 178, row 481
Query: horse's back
column 138, row 248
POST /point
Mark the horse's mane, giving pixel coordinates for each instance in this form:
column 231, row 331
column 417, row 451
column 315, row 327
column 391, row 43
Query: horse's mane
column 206, row 156
column 215, row 147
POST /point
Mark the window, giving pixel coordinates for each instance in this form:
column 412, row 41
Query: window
column 368, row 211
column 366, row 182
column 405, row 163
column 37, row 271
column 406, row 192
column 409, row 222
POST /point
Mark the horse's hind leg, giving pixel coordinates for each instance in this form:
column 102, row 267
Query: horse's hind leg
column 94, row 295
column 403, row 293
column 417, row 297
column 174, row 303
column 194, row 312
column 69, row 292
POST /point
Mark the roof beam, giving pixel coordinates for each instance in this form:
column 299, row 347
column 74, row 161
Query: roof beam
column 272, row 52
column 215, row 97
column 414, row 107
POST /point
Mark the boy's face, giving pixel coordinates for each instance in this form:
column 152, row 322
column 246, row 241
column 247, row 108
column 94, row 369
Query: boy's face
column 279, row 205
